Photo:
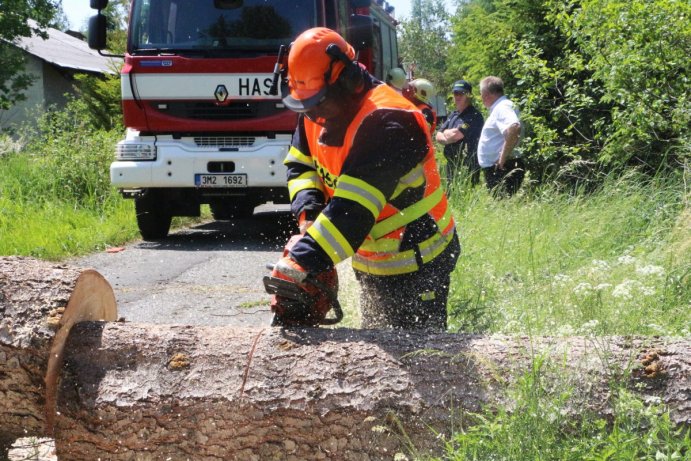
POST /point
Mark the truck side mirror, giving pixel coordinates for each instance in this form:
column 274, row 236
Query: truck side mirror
column 97, row 32
column 361, row 31
column 98, row 4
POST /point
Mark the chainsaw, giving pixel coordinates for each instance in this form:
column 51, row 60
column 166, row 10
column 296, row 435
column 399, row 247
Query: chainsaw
column 306, row 303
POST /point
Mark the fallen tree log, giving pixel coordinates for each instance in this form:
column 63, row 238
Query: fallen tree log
column 176, row 392
column 39, row 304
column 136, row 391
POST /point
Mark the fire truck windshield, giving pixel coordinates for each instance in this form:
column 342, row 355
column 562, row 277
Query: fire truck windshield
column 237, row 25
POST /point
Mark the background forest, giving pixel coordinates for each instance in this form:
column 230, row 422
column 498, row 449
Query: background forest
column 601, row 84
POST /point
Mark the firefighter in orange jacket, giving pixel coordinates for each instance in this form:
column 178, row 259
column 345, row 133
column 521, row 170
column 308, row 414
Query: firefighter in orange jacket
column 364, row 183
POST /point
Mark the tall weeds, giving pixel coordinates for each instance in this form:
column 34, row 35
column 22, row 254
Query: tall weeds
column 614, row 261
column 540, row 428
column 55, row 194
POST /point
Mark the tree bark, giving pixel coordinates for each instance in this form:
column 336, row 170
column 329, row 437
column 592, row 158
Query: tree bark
column 39, row 304
column 150, row 392
column 176, row 392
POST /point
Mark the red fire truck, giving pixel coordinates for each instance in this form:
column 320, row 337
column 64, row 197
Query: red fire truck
column 202, row 124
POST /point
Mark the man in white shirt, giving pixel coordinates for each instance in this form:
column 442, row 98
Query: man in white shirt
column 500, row 135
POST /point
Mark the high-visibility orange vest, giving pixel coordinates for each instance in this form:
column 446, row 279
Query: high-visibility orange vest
column 379, row 254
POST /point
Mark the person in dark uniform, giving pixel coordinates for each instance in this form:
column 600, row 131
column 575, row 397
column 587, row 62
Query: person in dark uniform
column 460, row 134
column 364, row 183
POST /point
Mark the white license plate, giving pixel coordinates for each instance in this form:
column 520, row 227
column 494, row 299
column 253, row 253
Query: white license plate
column 220, row 180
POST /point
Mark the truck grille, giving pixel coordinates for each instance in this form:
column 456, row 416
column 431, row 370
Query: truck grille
column 211, row 111
column 224, row 141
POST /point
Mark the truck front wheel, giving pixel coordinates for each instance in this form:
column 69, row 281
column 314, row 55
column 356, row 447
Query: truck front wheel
column 153, row 219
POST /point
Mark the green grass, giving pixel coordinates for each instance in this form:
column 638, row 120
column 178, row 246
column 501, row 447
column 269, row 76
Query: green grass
column 539, row 428
column 613, row 262
column 56, row 200
column 616, row 261
column 54, row 231
column 55, row 196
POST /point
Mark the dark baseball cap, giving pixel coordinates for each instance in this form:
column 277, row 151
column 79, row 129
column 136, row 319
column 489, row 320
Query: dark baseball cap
column 461, row 86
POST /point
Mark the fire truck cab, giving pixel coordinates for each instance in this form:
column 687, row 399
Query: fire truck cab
column 202, row 124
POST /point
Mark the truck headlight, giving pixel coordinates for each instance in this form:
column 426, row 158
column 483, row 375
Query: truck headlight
column 135, row 151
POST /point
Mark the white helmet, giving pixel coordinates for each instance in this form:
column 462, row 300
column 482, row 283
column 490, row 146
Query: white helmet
column 424, row 90
column 396, row 78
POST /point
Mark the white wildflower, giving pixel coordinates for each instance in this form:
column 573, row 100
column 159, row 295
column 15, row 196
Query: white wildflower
column 560, row 279
column 603, row 286
column 600, row 264
column 589, row 326
column 647, row 291
column 566, row 330
column 583, row 288
column 652, row 400
column 626, row 259
column 628, row 288
column 625, row 289
column 658, row 271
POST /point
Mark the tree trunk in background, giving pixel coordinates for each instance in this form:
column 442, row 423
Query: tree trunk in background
column 205, row 393
column 136, row 391
column 39, row 303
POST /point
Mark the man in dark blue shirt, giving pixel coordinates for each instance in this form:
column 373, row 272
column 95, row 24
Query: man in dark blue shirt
column 460, row 134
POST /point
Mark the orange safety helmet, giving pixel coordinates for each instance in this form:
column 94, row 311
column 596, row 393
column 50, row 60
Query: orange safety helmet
column 311, row 69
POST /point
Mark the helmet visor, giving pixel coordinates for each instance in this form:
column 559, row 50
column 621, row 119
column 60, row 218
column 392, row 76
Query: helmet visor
column 302, row 101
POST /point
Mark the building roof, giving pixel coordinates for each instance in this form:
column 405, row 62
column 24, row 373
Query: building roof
column 66, row 51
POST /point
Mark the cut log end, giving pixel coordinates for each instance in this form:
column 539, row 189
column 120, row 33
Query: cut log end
column 92, row 300
column 40, row 301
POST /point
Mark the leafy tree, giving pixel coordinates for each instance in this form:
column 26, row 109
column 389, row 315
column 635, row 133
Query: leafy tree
column 423, row 41
column 60, row 20
column 14, row 23
column 475, row 53
column 640, row 55
column 101, row 97
column 101, row 94
column 578, row 69
column 117, row 13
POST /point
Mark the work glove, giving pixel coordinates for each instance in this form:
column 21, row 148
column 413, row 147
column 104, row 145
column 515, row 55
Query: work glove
column 302, row 299
column 307, row 298
column 289, row 270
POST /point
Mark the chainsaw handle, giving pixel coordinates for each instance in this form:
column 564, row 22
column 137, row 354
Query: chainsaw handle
column 333, row 297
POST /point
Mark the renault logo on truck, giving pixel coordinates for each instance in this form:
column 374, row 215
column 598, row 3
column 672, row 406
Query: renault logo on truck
column 221, row 93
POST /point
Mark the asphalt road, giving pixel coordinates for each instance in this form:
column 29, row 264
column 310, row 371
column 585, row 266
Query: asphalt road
column 209, row 274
